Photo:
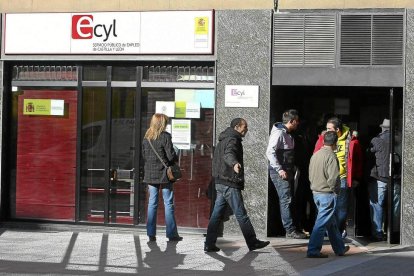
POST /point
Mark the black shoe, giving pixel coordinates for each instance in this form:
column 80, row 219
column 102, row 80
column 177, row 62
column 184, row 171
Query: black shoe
column 320, row 255
column 345, row 250
column 177, row 239
column 152, row 238
column 211, row 248
column 259, row 244
column 378, row 239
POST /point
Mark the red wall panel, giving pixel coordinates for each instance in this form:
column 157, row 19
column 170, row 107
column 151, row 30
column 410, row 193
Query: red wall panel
column 46, row 159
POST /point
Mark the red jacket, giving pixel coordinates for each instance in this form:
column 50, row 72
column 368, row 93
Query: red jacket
column 354, row 159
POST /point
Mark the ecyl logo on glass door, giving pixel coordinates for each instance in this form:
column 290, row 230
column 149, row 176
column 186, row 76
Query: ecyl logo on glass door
column 83, row 27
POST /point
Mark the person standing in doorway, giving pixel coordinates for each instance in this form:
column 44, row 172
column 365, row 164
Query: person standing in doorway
column 281, row 156
column 325, row 185
column 228, row 173
column 380, row 147
column 349, row 155
column 158, row 141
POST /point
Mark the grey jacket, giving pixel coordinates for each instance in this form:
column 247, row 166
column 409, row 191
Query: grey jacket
column 154, row 170
column 324, row 171
column 280, row 149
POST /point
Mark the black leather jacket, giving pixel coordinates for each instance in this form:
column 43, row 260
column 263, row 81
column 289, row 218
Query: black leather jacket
column 228, row 152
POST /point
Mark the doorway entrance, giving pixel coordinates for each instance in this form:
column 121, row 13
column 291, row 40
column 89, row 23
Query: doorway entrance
column 108, row 151
column 363, row 110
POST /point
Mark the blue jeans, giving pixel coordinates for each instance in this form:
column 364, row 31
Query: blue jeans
column 342, row 205
column 325, row 222
column 234, row 198
column 377, row 196
column 283, row 189
column 168, row 196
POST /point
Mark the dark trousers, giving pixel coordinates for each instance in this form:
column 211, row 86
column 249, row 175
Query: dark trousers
column 233, row 197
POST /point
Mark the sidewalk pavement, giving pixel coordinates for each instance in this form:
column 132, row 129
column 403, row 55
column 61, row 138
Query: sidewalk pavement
column 107, row 251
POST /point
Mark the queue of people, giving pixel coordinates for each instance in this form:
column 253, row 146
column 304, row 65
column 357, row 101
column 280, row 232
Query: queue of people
column 335, row 167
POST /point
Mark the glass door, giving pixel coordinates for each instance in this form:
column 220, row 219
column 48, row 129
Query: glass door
column 108, row 153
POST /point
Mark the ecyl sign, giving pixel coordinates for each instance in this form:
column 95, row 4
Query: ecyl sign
column 83, row 27
column 241, row 96
column 162, row 32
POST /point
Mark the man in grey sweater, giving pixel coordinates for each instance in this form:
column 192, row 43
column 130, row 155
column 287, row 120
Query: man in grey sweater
column 325, row 184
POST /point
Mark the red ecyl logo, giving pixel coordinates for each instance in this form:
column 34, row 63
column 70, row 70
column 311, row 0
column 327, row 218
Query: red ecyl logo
column 83, row 28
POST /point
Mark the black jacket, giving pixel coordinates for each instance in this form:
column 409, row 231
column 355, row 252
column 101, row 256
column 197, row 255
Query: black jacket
column 380, row 147
column 228, row 152
column 154, row 170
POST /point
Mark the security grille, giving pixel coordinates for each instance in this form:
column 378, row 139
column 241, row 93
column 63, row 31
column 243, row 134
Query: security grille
column 356, row 40
column 304, row 39
column 309, row 39
column 371, row 39
column 387, row 40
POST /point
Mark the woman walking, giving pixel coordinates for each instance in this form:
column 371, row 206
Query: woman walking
column 157, row 139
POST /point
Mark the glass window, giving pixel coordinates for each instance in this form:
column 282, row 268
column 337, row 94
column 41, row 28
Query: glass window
column 124, row 73
column 193, row 108
column 94, row 73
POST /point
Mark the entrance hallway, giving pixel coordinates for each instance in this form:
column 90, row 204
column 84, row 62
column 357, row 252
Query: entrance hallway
column 362, row 109
column 91, row 250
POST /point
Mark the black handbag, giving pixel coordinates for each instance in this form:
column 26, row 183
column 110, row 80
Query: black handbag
column 173, row 172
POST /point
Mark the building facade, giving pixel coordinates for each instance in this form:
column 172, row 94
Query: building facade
column 83, row 165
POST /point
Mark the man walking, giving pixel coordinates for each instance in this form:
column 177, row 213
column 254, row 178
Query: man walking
column 324, row 178
column 281, row 156
column 228, row 173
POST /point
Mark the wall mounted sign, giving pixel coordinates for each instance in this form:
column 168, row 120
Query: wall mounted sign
column 43, row 107
column 181, row 133
column 158, row 32
column 167, row 108
column 241, row 96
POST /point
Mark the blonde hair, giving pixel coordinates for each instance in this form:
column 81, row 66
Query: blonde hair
column 157, row 125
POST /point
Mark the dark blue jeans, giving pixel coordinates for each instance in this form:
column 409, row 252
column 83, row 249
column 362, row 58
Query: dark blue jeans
column 283, row 188
column 325, row 221
column 234, row 198
column 342, row 205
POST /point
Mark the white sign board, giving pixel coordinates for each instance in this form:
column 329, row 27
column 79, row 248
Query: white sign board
column 159, row 32
column 57, row 107
column 241, row 96
column 181, row 133
column 192, row 110
column 167, row 108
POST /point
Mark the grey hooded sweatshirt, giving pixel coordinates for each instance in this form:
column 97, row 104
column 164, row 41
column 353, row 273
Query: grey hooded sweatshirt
column 280, row 148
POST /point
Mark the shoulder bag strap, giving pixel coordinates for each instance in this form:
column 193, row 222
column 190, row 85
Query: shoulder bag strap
column 156, row 153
